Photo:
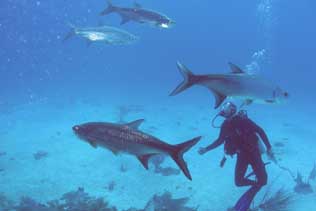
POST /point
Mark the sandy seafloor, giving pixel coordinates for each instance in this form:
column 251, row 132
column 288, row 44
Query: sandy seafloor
column 72, row 163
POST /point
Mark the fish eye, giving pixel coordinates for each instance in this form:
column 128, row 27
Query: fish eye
column 76, row 128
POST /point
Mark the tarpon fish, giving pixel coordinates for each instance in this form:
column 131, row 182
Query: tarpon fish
column 140, row 15
column 126, row 138
column 238, row 84
column 106, row 34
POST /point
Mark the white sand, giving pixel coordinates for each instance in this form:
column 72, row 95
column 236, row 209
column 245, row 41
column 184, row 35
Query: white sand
column 72, row 163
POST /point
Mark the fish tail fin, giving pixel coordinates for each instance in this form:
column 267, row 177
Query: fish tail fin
column 71, row 33
column 189, row 79
column 110, row 8
column 177, row 154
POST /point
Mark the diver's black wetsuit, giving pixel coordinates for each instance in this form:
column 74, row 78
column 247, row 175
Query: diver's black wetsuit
column 243, row 132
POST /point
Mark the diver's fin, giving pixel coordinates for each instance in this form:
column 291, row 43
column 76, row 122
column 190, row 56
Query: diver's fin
column 189, row 79
column 245, row 200
column 144, row 159
column 235, row 69
column 109, row 9
column 135, row 124
column 219, row 98
column 124, row 19
column 137, row 5
column 177, row 152
column 71, row 33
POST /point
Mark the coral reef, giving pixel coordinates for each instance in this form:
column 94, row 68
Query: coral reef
column 81, row 201
column 72, row 201
column 280, row 201
column 301, row 186
column 312, row 175
column 5, row 204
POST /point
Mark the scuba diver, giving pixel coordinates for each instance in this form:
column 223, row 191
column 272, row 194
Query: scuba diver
column 239, row 136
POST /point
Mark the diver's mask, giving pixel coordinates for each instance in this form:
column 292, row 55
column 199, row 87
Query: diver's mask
column 227, row 111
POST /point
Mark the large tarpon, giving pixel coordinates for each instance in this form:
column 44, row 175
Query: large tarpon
column 239, row 84
column 126, row 138
column 140, row 15
column 106, row 34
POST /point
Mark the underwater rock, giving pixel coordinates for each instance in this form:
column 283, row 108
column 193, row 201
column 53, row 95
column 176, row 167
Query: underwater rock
column 157, row 160
column 168, row 171
column 40, row 155
column 301, row 186
column 165, row 202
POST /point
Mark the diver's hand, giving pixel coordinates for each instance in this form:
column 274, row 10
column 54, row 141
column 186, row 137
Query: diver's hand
column 202, row 150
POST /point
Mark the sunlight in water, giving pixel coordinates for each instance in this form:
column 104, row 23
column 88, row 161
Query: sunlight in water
column 266, row 22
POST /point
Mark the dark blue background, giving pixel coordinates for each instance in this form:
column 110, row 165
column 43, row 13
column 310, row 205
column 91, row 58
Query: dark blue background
column 36, row 64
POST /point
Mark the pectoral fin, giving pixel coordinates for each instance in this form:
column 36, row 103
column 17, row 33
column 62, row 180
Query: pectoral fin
column 219, row 98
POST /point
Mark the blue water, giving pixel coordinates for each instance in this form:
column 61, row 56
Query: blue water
column 47, row 85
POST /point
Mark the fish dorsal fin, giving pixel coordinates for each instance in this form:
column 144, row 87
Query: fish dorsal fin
column 135, row 124
column 137, row 5
column 235, row 69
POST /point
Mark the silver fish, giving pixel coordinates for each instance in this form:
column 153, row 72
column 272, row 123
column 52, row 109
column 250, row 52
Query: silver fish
column 106, row 34
column 238, row 84
column 126, row 138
